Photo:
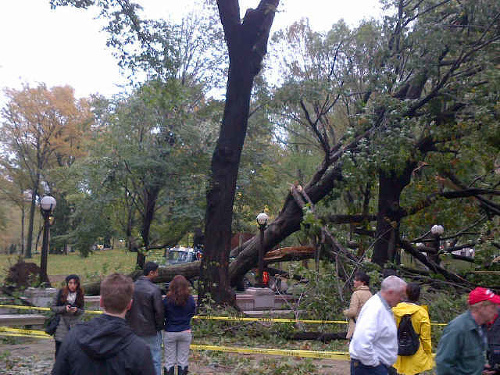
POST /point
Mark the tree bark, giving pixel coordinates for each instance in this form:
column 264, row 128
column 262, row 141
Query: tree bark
column 289, row 253
column 23, row 216
column 165, row 274
column 150, row 197
column 247, row 44
column 389, row 213
column 31, row 219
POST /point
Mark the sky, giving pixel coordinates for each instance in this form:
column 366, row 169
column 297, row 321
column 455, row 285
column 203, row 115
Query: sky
column 66, row 47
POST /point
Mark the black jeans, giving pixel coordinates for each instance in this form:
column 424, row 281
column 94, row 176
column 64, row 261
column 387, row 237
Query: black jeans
column 58, row 346
column 357, row 368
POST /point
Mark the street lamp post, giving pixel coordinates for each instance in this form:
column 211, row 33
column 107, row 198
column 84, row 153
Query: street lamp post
column 437, row 231
column 47, row 205
column 262, row 222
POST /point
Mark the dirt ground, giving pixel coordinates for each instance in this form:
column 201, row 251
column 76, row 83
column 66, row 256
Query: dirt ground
column 35, row 357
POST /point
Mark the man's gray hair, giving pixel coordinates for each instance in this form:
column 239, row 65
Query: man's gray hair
column 393, row 283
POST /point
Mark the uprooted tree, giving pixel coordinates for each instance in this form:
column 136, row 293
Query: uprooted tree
column 399, row 110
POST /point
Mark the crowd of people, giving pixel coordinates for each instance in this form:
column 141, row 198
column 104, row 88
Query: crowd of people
column 389, row 332
column 469, row 345
column 127, row 337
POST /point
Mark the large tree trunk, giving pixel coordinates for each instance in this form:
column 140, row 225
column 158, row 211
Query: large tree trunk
column 23, row 217
column 389, row 214
column 247, row 43
column 31, row 219
column 165, row 274
column 150, row 197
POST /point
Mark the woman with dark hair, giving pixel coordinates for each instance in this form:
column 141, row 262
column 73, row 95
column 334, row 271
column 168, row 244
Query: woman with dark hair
column 69, row 304
column 179, row 309
column 358, row 299
column 422, row 360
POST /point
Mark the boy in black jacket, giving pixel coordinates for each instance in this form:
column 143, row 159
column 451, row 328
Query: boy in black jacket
column 106, row 345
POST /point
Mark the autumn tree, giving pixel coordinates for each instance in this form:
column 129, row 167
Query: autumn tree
column 39, row 130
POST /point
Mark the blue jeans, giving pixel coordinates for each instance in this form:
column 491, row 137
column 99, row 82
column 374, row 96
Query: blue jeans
column 154, row 343
column 361, row 369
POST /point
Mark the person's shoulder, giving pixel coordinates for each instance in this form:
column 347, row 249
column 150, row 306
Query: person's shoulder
column 458, row 323
column 372, row 304
column 374, row 299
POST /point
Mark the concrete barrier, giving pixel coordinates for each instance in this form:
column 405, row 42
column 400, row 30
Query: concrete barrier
column 252, row 299
column 40, row 297
column 22, row 320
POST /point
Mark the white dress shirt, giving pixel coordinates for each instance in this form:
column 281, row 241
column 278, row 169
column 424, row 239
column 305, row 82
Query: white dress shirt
column 375, row 338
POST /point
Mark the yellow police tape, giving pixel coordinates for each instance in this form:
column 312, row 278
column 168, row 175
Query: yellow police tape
column 269, row 320
column 6, row 331
column 19, row 307
column 207, row 317
column 281, row 352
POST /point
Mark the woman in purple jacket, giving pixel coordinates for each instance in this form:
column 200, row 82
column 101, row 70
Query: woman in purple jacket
column 179, row 309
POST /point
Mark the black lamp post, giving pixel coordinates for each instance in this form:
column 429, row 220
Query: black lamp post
column 262, row 222
column 47, row 205
column 437, row 231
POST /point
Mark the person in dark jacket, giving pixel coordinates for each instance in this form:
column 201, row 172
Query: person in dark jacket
column 146, row 314
column 462, row 347
column 106, row 345
column 179, row 309
column 493, row 334
column 69, row 304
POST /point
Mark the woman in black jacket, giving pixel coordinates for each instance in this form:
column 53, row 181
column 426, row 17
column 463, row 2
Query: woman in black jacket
column 69, row 304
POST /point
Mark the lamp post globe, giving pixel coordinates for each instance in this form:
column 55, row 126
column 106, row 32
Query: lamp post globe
column 48, row 203
column 437, row 230
column 262, row 219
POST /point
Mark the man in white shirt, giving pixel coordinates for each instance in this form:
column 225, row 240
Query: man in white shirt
column 374, row 345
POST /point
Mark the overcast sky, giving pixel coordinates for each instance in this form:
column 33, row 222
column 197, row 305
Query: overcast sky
column 65, row 45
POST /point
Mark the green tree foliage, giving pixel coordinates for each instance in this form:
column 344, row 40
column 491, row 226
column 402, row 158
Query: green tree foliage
column 416, row 85
column 146, row 168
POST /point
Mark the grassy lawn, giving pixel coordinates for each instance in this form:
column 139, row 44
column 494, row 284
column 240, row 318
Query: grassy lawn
column 99, row 263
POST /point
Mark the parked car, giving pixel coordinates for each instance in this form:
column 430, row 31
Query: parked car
column 176, row 255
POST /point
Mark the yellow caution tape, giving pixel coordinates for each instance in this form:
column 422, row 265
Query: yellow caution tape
column 268, row 320
column 344, row 356
column 23, row 335
column 281, row 352
column 7, row 331
column 207, row 317
column 25, row 307
column 19, row 307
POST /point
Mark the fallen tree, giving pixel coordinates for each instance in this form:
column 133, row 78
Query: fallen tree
column 165, row 274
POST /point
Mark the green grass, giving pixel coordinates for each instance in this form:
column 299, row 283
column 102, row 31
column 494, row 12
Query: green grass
column 97, row 264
